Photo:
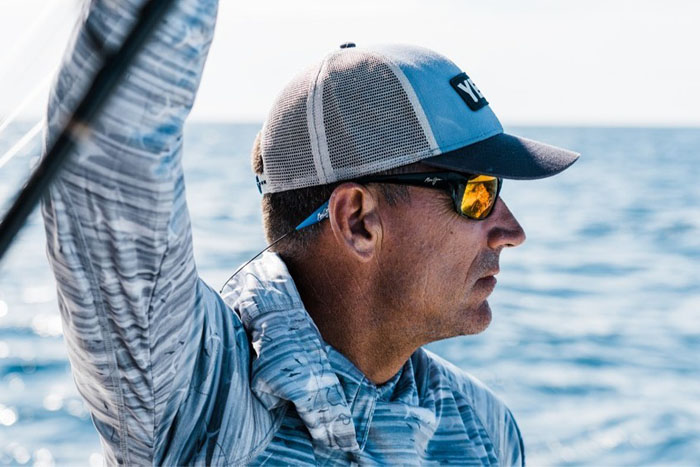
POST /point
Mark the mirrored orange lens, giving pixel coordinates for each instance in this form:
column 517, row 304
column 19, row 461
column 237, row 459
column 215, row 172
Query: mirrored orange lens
column 479, row 196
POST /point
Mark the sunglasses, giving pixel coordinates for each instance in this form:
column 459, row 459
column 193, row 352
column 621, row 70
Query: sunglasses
column 473, row 196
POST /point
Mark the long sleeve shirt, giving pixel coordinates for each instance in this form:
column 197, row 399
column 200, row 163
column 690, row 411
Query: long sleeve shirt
column 173, row 372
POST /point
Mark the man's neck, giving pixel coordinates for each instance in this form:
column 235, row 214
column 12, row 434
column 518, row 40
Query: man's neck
column 348, row 318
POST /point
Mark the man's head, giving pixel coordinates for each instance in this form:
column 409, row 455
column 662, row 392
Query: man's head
column 384, row 110
column 406, row 249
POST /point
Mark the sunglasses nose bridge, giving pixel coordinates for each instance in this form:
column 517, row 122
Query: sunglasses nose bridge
column 457, row 192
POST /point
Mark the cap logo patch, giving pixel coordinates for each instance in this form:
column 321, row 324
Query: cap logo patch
column 468, row 91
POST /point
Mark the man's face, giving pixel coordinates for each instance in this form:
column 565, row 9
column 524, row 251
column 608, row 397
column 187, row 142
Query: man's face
column 439, row 267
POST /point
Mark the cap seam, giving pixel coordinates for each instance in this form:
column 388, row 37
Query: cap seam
column 311, row 122
column 319, row 117
column 413, row 98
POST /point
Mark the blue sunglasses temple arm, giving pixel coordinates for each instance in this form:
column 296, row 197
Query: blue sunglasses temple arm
column 317, row 216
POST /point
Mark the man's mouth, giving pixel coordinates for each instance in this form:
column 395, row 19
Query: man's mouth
column 488, row 283
column 489, row 279
column 491, row 273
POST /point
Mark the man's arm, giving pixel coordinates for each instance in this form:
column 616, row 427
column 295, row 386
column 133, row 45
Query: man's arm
column 146, row 339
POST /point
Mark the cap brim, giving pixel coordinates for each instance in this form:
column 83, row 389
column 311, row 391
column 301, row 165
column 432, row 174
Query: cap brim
column 506, row 156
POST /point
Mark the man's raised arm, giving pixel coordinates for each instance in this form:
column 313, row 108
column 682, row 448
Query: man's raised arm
column 119, row 236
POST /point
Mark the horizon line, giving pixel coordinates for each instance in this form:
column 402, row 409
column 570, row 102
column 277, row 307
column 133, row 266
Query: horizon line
column 24, row 120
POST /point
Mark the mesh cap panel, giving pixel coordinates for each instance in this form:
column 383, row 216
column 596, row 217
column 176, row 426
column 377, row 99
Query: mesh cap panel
column 286, row 148
column 346, row 117
column 370, row 124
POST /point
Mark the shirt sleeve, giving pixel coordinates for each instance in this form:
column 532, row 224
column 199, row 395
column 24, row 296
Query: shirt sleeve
column 154, row 352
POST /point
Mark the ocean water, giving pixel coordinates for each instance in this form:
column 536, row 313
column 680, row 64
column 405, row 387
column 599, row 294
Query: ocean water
column 595, row 340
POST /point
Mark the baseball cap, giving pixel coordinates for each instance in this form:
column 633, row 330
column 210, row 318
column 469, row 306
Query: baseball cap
column 365, row 110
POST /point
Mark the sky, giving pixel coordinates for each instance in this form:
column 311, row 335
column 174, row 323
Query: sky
column 538, row 62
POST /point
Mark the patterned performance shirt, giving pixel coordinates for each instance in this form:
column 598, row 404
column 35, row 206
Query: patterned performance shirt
column 173, row 372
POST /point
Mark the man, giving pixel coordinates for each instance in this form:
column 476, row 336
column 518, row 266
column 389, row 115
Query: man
column 392, row 159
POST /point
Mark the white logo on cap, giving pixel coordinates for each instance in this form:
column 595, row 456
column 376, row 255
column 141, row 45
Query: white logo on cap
column 470, row 88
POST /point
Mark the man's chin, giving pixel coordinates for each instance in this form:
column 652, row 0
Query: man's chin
column 478, row 319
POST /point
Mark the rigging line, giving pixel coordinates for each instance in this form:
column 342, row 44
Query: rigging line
column 105, row 80
column 52, row 43
column 29, row 33
column 4, row 122
column 240, row 268
column 19, row 145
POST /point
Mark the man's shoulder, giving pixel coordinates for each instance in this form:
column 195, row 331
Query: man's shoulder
column 437, row 374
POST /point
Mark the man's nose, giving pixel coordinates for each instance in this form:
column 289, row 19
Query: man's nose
column 506, row 230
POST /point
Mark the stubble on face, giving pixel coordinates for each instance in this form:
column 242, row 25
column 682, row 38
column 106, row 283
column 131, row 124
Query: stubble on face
column 469, row 311
column 439, row 274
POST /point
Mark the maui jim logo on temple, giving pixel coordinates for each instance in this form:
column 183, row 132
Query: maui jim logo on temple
column 468, row 91
column 432, row 180
column 322, row 215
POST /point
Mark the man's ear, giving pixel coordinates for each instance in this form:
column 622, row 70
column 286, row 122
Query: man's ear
column 354, row 219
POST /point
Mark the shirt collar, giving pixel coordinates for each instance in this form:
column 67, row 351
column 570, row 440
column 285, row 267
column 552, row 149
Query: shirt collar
column 292, row 363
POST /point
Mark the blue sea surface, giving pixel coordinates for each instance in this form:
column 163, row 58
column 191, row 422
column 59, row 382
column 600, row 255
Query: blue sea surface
column 595, row 339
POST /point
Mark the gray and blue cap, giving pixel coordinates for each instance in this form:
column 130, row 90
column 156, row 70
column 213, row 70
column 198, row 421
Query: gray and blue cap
column 365, row 110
